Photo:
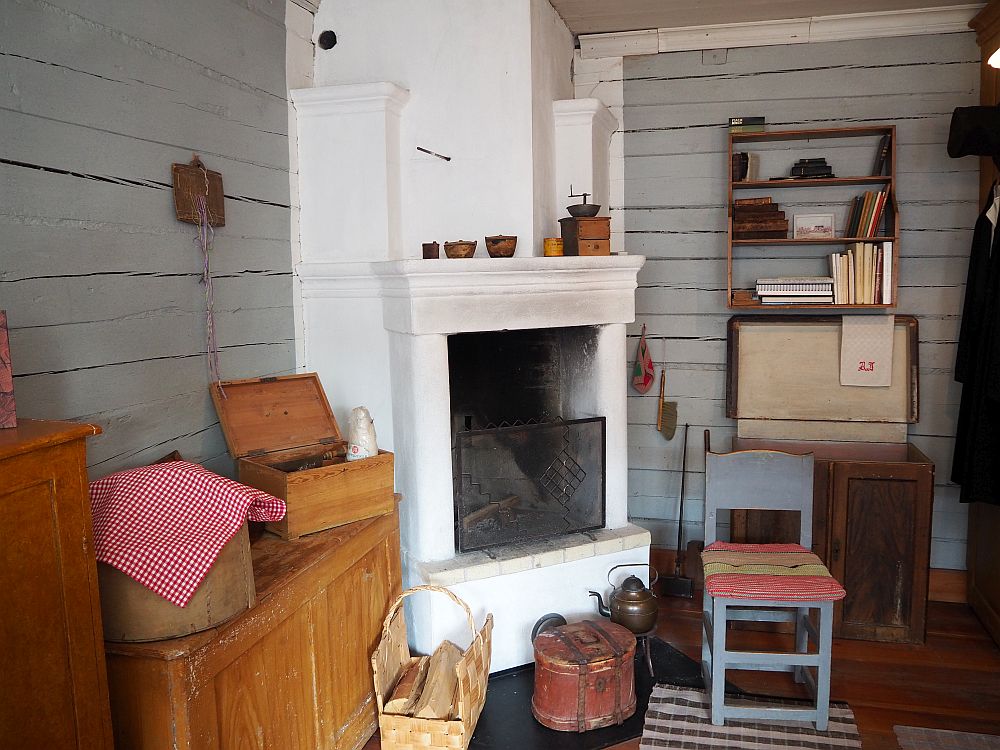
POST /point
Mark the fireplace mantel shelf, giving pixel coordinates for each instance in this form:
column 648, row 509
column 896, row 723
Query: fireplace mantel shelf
column 447, row 295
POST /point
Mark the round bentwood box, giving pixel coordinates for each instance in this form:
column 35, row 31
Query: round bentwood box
column 584, row 676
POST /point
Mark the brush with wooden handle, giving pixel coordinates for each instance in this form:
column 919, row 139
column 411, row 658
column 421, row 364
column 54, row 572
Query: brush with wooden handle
column 666, row 411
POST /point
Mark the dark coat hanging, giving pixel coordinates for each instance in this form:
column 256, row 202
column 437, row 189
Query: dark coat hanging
column 976, row 463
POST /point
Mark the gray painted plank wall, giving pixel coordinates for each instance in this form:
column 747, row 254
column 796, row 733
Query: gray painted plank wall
column 676, row 107
column 100, row 282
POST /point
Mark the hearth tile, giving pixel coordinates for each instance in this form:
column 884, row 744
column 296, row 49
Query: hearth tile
column 486, row 569
column 515, row 565
column 550, row 557
column 580, row 551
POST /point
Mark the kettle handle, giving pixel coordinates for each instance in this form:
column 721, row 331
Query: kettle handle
column 656, row 575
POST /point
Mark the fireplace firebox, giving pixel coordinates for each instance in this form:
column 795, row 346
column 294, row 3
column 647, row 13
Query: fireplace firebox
column 525, row 482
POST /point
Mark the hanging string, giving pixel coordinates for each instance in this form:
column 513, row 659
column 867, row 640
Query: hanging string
column 204, row 240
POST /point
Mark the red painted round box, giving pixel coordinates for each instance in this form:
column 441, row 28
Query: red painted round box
column 584, row 676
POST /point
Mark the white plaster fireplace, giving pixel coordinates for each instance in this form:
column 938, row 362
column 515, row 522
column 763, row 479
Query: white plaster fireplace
column 377, row 319
column 418, row 304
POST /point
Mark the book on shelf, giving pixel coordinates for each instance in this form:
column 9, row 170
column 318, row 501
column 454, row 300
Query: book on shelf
column 819, row 299
column 746, row 124
column 749, row 225
column 762, row 234
column 881, row 155
column 746, row 166
column 863, row 274
column 887, row 263
column 758, row 210
column 762, row 201
column 851, row 217
column 866, row 213
column 795, row 285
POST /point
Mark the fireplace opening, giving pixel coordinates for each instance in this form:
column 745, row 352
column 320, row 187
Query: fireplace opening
column 520, row 470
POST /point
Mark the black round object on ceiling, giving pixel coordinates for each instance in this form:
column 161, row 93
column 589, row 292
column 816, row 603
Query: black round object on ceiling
column 327, row 39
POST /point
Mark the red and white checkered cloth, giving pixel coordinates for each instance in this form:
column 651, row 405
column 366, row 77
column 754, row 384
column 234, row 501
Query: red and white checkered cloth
column 165, row 524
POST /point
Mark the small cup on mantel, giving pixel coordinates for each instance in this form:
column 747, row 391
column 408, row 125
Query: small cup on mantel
column 552, row 247
column 431, row 250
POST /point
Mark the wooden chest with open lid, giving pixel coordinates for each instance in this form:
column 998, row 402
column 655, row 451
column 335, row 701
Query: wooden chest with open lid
column 286, row 441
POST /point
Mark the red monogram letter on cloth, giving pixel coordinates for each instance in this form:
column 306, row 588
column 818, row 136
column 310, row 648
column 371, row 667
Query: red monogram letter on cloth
column 165, row 524
column 643, row 373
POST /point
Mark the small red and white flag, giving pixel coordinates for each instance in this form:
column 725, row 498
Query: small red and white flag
column 643, row 374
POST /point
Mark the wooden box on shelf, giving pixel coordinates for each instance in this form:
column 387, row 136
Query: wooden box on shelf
column 882, row 139
column 286, row 441
column 589, row 235
column 873, row 491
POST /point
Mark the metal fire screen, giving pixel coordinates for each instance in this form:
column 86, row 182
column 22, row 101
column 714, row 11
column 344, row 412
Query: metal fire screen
column 535, row 481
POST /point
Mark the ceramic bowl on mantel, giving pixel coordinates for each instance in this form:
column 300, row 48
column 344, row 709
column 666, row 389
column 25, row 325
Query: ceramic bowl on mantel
column 579, row 210
column 460, row 248
column 501, row 246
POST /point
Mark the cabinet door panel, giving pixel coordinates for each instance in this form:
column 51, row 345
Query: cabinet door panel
column 880, row 535
column 53, row 678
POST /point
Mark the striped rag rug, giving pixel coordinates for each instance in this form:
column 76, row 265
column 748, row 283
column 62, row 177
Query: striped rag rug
column 680, row 718
column 922, row 738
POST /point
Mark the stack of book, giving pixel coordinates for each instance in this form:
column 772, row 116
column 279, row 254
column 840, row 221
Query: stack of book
column 796, row 290
column 758, row 219
column 746, row 166
column 811, row 168
column 746, row 124
column 866, row 214
column 863, row 274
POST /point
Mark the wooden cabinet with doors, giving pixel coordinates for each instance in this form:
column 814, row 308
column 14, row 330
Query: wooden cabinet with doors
column 292, row 672
column 872, row 527
column 55, row 692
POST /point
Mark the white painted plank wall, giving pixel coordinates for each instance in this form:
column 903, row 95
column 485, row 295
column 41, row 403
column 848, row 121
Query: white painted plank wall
column 100, row 282
column 675, row 111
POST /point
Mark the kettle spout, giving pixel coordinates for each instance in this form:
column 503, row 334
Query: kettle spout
column 601, row 607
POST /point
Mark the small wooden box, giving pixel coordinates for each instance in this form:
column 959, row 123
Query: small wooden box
column 586, row 235
column 276, row 426
column 584, row 676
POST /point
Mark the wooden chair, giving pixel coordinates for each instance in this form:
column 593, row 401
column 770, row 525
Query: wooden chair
column 765, row 582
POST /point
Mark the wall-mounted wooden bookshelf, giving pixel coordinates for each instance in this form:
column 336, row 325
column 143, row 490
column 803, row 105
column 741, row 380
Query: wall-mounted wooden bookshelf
column 886, row 228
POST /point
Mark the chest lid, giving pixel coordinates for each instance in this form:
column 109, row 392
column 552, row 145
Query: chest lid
column 263, row 415
column 583, row 643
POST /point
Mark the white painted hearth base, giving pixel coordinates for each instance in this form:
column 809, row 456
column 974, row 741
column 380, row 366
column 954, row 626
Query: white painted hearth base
column 523, row 583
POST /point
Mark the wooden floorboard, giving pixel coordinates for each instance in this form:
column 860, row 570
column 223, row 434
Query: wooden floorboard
column 950, row 682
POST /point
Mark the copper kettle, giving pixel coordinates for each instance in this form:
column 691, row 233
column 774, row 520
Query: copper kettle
column 631, row 604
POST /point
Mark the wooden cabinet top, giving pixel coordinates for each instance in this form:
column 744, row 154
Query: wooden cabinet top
column 32, row 434
column 839, row 451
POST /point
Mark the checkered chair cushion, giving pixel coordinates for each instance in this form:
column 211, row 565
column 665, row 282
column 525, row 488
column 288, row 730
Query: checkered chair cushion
column 780, row 572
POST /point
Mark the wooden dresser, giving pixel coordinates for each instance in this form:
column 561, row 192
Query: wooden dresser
column 53, row 682
column 292, row 672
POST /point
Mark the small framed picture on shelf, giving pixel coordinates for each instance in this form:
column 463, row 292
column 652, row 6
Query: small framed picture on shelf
column 812, row 227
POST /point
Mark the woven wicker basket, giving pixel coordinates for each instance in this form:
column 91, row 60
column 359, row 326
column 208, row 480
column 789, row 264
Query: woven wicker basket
column 392, row 657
